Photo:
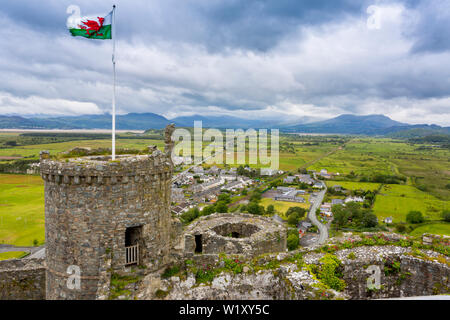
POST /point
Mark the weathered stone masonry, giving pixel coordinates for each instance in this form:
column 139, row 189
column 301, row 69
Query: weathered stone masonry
column 233, row 233
column 22, row 279
column 89, row 204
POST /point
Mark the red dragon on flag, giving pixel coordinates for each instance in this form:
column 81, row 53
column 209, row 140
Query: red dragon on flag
column 92, row 25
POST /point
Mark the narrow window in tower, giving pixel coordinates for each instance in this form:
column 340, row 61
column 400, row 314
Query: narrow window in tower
column 132, row 242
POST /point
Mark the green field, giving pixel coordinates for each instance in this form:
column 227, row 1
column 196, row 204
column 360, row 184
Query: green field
column 397, row 201
column 434, row 228
column 282, row 206
column 350, row 185
column 32, row 151
column 429, row 169
column 356, row 156
column 22, row 203
column 21, row 209
column 12, row 255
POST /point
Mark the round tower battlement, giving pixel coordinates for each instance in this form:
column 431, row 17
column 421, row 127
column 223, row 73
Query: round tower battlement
column 103, row 216
column 101, row 170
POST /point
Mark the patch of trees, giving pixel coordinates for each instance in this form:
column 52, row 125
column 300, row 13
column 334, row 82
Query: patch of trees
column 384, row 178
column 220, row 206
column 16, row 166
column 294, row 215
column 254, row 206
column 293, row 239
column 353, row 215
column 442, row 139
column 190, row 215
column 287, row 147
column 270, row 209
column 446, row 215
column 333, row 192
column 415, row 217
column 251, row 173
column 11, row 143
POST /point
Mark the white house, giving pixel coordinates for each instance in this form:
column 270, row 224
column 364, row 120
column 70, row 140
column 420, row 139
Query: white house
column 354, row 199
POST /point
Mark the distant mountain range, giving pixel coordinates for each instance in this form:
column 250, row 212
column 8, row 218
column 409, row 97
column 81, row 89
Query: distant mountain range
column 130, row 121
column 376, row 124
column 350, row 124
column 343, row 124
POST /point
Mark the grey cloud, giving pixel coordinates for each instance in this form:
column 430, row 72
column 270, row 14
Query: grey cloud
column 252, row 58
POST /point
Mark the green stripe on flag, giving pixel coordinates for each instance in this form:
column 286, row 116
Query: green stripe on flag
column 103, row 33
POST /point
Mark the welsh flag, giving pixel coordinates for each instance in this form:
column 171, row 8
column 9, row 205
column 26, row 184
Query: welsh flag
column 93, row 28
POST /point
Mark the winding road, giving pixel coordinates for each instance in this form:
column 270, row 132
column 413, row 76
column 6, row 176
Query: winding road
column 323, row 230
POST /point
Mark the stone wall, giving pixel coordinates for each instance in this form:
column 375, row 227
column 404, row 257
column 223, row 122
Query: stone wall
column 415, row 277
column 89, row 204
column 235, row 233
column 22, row 279
column 281, row 277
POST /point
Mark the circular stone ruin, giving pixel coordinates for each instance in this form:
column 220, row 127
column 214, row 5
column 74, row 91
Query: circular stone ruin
column 234, row 233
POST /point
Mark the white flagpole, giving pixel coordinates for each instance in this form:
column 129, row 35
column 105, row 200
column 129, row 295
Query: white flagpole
column 113, row 36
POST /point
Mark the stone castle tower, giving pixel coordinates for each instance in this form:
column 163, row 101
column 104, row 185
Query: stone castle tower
column 102, row 216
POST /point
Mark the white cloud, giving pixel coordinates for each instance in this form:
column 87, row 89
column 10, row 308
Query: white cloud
column 38, row 105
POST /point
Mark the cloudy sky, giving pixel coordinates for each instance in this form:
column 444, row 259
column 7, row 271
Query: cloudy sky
column 272, row 59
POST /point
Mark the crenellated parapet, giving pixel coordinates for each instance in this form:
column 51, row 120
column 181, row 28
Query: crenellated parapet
column 100, row 170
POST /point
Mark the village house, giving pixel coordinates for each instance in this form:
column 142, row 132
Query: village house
column 337, row 201
column 208, row 185
column 354, row 199
column 214, row 170
column 233, row 186
column 289, row 179
column 288, row 194
column 228, row 177
column 177, row 194
column 269, row 172
column 198, row 169
column 318, row 185
column 177, row 160
column 305, row 178
column 285, row 189
column 181, row 208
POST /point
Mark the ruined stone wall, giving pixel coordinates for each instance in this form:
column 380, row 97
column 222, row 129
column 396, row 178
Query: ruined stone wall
column 89, row 203
column 416, row 277
column 281, row 276
column 235, row 233
column 22, row 279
